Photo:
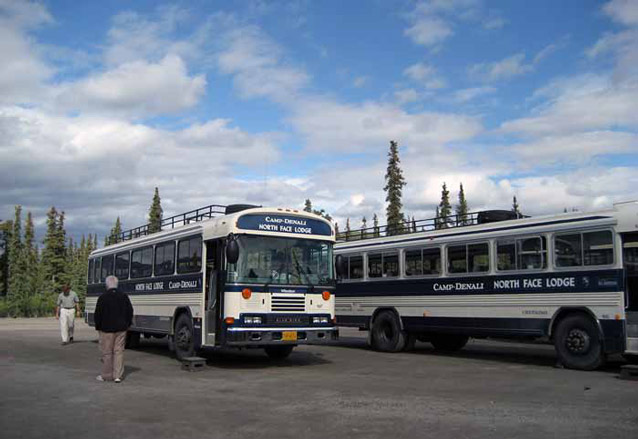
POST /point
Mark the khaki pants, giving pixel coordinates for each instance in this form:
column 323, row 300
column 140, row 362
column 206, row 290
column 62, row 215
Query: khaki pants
column 112, row 348
column 67, row 320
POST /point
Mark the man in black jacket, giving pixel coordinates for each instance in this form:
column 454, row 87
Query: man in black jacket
column 113, row 316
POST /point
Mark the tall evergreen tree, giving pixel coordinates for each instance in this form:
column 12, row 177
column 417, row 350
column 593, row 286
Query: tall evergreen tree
column 394, row 183
column 364, row 226
column 337, row 230
column 462, row 209
column 347, row 228
column 445, row 209
column 5, row 243
column 437, row 220
column 116, row 232
column 54, row 253
column 155, row 214
column 18, row 295
column 307, row 205
column 32, row 259
column 375, row 223
column 515, row 206
column 413, row 224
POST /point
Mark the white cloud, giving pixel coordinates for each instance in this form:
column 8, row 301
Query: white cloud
column 494, row 23
column 623, row 11
column 328, row 125
column 504, row 69
column 22, row 72
column 574, row 149
column 581, row 104
column 136, row 89
column 406, row 96
column 425, row 75
column 468, row 94
column 258, row 68
column 428, row 31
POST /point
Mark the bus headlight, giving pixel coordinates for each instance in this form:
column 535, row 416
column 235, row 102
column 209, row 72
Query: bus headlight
column 319, row 320
column 252, row 320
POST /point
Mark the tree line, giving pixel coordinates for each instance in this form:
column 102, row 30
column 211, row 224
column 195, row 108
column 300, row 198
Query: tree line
column 31, row 277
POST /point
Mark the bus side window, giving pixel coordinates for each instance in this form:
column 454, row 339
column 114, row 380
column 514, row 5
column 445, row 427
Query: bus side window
column 598, row 248
column 432, row 261
column 375, row 262
column 478, row 257
column 96, row 271
column 413, row 262
column 457, row 259
column 355, row 267
column 568, row 250
column 164, row 259
column 390, row 264
column 122, row 265
column 107, row 267
column 189, row 255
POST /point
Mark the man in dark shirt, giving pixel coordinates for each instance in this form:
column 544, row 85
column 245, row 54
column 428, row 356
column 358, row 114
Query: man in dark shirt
column 113, row 316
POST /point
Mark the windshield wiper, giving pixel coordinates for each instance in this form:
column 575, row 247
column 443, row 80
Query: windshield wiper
column 300, row 270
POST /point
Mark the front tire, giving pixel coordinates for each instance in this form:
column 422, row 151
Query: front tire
column 577, row 343
column 387, row 335
column 184, row 340
column 278, row 352
column 449, row 342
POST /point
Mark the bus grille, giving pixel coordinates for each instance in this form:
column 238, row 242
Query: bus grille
column 296, row 303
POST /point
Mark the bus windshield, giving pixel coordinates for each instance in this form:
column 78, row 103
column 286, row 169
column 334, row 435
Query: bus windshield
column 283, row 261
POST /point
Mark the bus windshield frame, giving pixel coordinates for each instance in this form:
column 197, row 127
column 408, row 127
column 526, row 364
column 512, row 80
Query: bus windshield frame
column 276, row 260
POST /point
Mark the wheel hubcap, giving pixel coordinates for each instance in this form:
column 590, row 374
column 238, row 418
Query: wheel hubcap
column 183, row 338
column 577, row 341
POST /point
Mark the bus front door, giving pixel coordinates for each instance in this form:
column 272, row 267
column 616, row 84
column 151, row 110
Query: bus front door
column 630, row 262
column 213, row 279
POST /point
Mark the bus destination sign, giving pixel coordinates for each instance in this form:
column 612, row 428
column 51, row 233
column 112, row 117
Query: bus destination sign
column 284, row 224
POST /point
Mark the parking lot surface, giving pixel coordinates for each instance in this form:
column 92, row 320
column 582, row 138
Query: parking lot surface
column 490, row 389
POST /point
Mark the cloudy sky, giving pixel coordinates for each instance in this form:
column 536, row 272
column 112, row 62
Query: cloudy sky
column 273, row 102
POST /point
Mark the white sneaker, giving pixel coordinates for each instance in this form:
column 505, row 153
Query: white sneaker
column 99, row 378
column 117, row 380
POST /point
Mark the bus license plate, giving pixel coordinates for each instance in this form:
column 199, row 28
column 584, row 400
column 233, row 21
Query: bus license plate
column 289, row 336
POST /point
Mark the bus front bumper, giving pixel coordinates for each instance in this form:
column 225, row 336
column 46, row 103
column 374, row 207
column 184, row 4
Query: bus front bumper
column 241, row 336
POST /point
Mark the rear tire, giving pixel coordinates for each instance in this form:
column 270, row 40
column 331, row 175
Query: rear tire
column 184, row 340
column 577, row 343
column 386, row 333
column 449, row 342
column 278, row 352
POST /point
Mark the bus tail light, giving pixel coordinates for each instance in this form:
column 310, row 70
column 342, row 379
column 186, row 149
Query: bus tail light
column 246, row 293
column 229, row 320
column 326, row 295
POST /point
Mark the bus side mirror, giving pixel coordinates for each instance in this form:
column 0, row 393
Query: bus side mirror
column 340, row 265
column 232, row 251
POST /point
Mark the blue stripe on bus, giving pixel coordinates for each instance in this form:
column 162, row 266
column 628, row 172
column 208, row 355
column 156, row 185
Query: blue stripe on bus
column 556, row 282
column 429, row 239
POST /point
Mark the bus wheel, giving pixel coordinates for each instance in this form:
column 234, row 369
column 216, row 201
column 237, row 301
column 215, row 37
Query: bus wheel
column 278, row 352
column 183, row 340
column 132, row 340
column 449, row 342
column 387, row 335
column 578, row 344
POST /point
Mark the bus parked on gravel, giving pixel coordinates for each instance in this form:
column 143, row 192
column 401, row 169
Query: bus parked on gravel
column 235, row 276
column 571, row 279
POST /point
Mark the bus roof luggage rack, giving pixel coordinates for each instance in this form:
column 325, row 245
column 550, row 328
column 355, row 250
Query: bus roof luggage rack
column 452, row 221
column 493, row 216
column 234, row 208
column 203, row 213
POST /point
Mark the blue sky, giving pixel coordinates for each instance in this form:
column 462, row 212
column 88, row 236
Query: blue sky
column 276, row 102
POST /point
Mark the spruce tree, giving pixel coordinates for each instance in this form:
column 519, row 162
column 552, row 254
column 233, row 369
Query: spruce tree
column 413, row 224
column 437, row 220
column 54, row 253
column 155, row 214
column 462, row 209
column 33, row 264
column 364, row 226
column 375, row 222
column 347, row 228
column 5, row 243
column 116, row 232
column 515, row 207
column 445, row 209
column 337, row 230
column 394, row 183
column 308, row 205
column 19, row 295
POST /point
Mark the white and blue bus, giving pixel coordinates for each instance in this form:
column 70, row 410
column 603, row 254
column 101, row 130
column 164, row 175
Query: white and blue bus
column 236, row 276
column 571, row 279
